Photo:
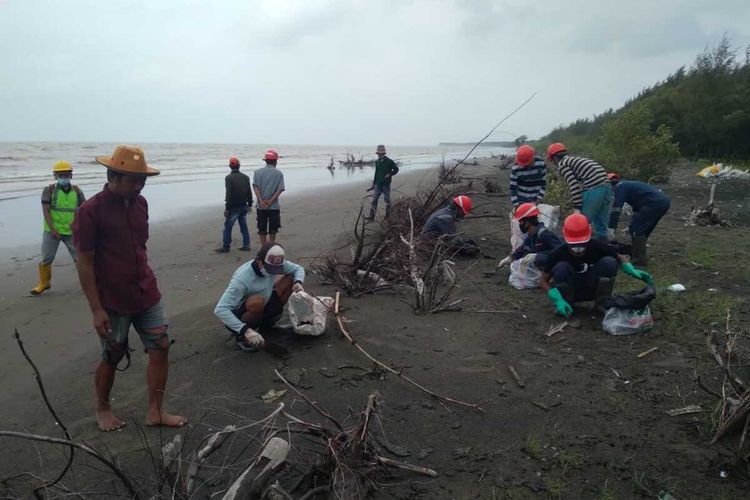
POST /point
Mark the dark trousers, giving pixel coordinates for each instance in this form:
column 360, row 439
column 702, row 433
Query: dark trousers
column 581, row 286
column 236, row 215
column 644, row 221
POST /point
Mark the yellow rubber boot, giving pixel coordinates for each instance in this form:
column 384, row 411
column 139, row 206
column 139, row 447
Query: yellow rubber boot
column 45, row 276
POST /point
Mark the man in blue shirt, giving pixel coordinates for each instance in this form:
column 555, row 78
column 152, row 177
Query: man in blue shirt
column 539, row 240
column 442, row 223
column 257, row 293
column 649, row 206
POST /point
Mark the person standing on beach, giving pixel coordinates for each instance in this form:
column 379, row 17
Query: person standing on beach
column 257, row 293
column 588, row 184
column 268, row 184
column 238, row 200
column 60, row 201
column 110, row 232
column 527, row 184
column 385, row 169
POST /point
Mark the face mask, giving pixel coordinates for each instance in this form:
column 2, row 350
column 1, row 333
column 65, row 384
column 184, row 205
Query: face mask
column 63, row 183
column 577, row 251
column 524, row 228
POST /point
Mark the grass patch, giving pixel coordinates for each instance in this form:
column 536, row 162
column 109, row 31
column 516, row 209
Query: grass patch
column 533, row 447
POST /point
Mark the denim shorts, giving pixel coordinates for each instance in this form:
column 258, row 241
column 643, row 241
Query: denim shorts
column 120, row 325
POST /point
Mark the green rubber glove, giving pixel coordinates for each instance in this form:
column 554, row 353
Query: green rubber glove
column 561, row 306
column 628, row 268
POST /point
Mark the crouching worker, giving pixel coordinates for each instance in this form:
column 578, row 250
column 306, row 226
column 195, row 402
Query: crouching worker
column 583, row 269
column 538, row 240
column 442, row 223
column 257, row 293
column 649, row 206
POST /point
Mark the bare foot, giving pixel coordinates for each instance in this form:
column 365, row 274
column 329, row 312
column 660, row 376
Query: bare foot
column 107, row 421
column 165, row 419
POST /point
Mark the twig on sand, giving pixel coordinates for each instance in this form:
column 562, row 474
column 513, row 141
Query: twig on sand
column 404, row 466
column 58, row 421
column 647, row 352
column 309, row 401
column 516, row 376
column 347, row 335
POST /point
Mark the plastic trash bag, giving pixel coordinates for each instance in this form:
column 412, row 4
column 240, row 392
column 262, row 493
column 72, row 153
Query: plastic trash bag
column 524, row 274
column 550, row 215
column 629, row 312
column 631, row 300
column 626, row 321
column 308, row 314
column 516, row 235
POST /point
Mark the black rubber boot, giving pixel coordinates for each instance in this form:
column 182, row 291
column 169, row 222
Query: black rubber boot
column 639, row 250
column 604, row 288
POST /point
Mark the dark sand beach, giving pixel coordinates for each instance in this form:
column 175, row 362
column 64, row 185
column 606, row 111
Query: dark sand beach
column 590, row 422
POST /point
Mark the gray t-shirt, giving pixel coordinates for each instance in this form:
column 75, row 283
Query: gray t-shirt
column 269, row 180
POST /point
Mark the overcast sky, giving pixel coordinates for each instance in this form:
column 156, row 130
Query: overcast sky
column 335, row 72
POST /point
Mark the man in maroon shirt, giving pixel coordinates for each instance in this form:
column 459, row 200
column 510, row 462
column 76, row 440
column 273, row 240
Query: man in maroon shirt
column 110, row 231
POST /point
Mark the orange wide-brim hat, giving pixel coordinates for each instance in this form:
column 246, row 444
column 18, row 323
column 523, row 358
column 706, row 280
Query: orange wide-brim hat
column 127, row 160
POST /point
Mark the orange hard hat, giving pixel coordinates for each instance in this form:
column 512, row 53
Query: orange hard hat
column 576, row 229
column 525, row 156
column 526, row 210
column 464, row 203
column 554, row 148
column 234, row 161
column 271, row 154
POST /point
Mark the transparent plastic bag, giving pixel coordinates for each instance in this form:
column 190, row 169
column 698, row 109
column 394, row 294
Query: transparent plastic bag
column 308, row 314
column 627, row 321
column 550, row 215
column 524, row 274
column 516, row 235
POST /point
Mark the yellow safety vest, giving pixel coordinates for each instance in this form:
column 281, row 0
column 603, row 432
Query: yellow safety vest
column 62, row 208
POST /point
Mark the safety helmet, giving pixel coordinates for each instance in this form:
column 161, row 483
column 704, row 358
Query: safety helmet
column 555, row 148
column 525, row 156
column 62, row 166
column 614, row 177
column 576, row 229
column 464, row 203
column 526, row 210
column 271, row 154
column 234, row 161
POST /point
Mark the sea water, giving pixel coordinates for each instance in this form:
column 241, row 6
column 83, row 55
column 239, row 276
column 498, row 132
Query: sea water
column 191, row 174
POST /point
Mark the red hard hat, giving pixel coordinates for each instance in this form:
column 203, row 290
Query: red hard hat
column 525, row 156
column 614, row 177
column 464, row 203
column 576, row 229
column 526, row 210
column 554, row 148
column 234, row 161
column 271, row 154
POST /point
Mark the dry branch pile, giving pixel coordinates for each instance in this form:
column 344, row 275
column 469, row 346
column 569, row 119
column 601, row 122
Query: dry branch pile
column 394, row 255
column 731, row 351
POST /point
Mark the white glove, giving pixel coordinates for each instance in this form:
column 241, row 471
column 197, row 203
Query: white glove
column 507, row 260
column 298, row 288
column 254, row 338
column 611, row 234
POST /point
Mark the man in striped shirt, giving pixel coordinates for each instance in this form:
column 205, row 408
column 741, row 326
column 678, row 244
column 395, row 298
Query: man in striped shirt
column 527, row 181
column 588, row 184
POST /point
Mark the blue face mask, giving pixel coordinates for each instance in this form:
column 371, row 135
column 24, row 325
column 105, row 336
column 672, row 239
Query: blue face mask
column 63, row 183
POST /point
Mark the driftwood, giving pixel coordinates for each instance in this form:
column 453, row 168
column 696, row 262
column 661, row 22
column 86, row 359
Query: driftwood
column 516, row 376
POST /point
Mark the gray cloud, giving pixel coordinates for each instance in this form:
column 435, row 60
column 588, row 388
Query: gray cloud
column 334, row 71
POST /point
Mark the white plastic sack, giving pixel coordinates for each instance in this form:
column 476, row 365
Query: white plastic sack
column 516, row 235
column 524, row 274
column 308, row 314
column 550, row 215
column 626, row 321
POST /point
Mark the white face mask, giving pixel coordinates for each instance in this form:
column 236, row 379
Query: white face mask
column 577, row 251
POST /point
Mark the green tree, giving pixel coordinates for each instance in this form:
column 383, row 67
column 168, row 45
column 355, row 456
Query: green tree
column 630, row 147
